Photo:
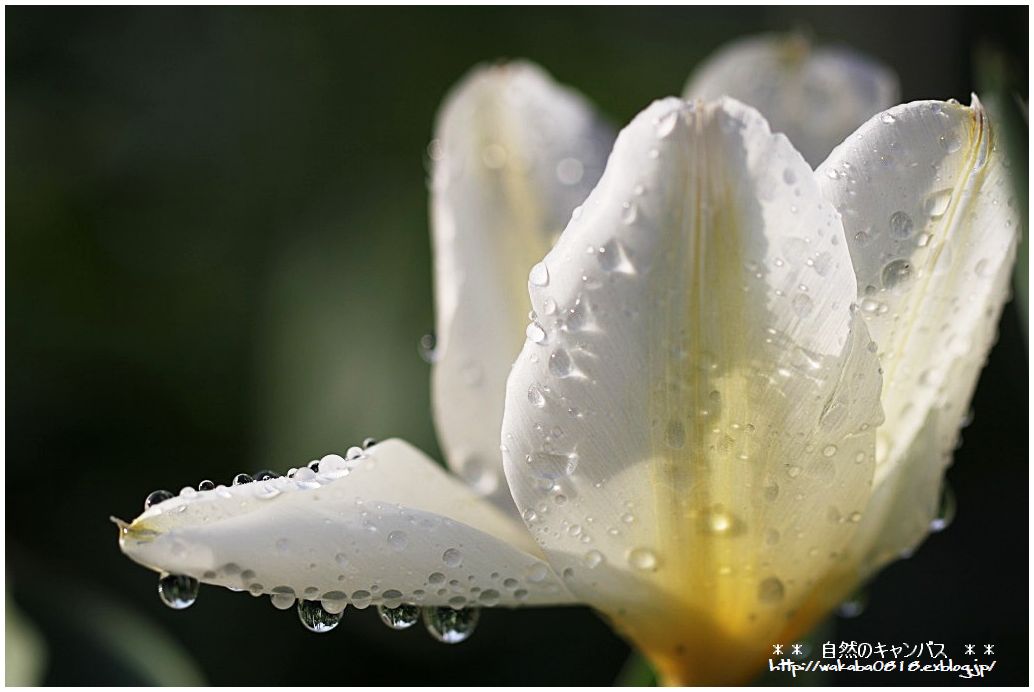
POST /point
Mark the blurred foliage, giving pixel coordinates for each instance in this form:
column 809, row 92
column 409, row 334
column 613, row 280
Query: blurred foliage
column 218, row 261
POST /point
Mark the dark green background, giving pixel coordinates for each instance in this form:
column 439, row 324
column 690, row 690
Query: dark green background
column 218, row 261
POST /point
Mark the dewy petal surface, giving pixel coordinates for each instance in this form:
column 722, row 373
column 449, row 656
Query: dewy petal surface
column 390, row 526
column 515, row 153
column 691, row 439
column 932, row 226
column 816, row 96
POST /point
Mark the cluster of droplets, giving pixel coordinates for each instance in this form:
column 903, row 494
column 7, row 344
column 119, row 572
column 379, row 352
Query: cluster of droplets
column 447, row 625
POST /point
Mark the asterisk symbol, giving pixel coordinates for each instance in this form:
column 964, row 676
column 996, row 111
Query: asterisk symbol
column 989, row 649
column 969, row 649
column 796, row 650
column 777, row 649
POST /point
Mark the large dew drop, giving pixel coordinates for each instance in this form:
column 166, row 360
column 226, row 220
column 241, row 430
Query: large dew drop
column 156, row 497
column 451, row 626
column 400, row 618
column 316, row 618
column 178, row 591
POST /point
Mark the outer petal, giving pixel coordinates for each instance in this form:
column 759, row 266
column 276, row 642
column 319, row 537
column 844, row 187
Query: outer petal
column 689, row 429
column 932, row 227
column 515, row 154
column 390, row 526
column 816, row 96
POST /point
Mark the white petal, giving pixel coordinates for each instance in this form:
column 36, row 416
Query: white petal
column 932, row 226
column 815, row 96
column 694, row 434
column 388, row 526
column 516, row 153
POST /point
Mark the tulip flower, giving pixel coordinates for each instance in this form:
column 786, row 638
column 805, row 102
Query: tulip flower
column 740, row 381
column 816, row 96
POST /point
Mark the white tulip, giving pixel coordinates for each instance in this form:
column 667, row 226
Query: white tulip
column 694, row 432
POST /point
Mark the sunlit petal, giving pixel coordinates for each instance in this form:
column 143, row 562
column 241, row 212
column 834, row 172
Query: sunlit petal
column 932, row 227
column 691, row 438
column 387, row 527
column 514, row 153
column 814, row 95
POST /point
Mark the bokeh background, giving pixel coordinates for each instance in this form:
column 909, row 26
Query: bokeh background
column 218, row 261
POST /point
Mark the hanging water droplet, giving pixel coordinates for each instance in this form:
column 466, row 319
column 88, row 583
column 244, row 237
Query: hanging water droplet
column 896, row 273
column 316, row 618
column 539, row 275
column 400, row 618
column 900, row 225
column 450, row 625
column 281, row 600
column 642, row 559
column 945, row 510
column 854, row 606
column 771, row 590
column 242, row 478
column 426, row 348
column 157, row 497
column 178, row 591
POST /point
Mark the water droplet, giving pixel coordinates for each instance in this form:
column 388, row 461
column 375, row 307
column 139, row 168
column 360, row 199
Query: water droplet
column 951, row 142
column 666, row 125
column 802, row 305
column 789, row 177
column 266, row 474
column 449, row 625
column 537, row 572
column 282, row 601
column 178, row 591
column 398, row 540
column 426, row 348
column 829, row 450
column 549, row 306
column 900, row 225
column 316, row 618
column 535, row 396
column 242, row 478
column 535, row 333
column 924, row 239
column 854, row 606
column 206, row 485
column 400, row 618
column 550, row 466
column 642, row 559
column 832, row 173
column 569, row 171
column 592, row 558
column 361, row 598
column 452, row 558
column 539, row 275
column 896, row 273
column 937, row 203
column 887, row 118
column 489, row 597
column 945, row 510
column 982, row 269
column 793, row 471
column 560, row 363
column 629, row 213
column 771, row 590
column 157, row 497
